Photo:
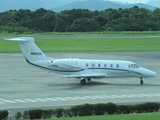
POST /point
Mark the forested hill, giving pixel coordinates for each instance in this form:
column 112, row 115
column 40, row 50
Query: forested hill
column 100, row 5
column 80, row 20
column 59, row 5
column 155, row 3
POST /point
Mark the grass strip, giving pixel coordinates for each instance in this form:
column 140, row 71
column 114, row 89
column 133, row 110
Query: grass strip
column 87, row 44
column 143, row 116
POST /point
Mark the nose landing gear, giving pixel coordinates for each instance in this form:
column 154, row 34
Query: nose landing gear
column 141, row 81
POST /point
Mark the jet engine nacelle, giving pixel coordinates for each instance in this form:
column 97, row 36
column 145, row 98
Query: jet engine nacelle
column 69, row 64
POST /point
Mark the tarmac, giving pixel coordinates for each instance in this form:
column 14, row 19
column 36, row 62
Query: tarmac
column 23, row 86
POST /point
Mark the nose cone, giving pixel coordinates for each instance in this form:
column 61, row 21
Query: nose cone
column 152, row 74
column 149, row 73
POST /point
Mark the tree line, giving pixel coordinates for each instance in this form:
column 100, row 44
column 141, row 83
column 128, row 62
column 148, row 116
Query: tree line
column 80, row 20
column 83, row 110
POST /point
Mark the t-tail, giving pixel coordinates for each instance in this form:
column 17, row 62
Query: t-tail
column 29, row 49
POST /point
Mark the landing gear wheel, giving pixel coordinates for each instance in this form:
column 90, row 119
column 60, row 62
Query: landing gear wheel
column 83, row 82
column 141, row 82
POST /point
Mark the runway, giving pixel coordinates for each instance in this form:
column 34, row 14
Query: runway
column 25, row 87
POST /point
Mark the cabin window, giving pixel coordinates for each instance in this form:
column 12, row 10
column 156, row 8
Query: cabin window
column 105, row 65
column 87, row 64
column 129, row 66
column 99, row 65
column 111, row 65
column 92, row 64
column 117, row 65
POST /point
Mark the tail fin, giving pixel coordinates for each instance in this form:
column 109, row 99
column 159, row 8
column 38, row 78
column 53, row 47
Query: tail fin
column 29, row 49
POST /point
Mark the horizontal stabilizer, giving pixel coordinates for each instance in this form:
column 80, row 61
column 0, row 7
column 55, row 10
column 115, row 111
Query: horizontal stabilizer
column 21, row 39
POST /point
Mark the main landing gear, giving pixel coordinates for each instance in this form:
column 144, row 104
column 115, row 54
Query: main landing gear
column 85, row 80
column 141, row 81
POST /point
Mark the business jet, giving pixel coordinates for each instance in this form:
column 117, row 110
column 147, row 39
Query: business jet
column 83, row 69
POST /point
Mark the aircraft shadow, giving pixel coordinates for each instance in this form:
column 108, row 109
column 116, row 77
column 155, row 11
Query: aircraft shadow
column 93, row 84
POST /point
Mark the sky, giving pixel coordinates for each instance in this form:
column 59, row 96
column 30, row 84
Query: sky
column 133, row 1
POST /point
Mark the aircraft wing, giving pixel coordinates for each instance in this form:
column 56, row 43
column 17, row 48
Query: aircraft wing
column 90, row 75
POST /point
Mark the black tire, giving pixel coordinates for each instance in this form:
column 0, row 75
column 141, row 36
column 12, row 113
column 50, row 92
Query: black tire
column 142, row 82
column 83, row 82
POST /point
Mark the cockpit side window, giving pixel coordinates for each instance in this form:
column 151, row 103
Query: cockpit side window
column 132, row 65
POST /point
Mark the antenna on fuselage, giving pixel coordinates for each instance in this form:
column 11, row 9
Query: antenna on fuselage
column 70, row 57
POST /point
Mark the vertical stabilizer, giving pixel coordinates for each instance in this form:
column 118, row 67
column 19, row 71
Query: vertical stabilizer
column 29, row 49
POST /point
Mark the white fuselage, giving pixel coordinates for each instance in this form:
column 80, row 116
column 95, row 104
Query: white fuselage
column 107, row 68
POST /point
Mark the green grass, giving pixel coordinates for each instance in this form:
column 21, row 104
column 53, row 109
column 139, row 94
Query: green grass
column 144, row 116
column 62, row 44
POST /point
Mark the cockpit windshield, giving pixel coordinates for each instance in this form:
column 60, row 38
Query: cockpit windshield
column 137, row 66
column 134, row 66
